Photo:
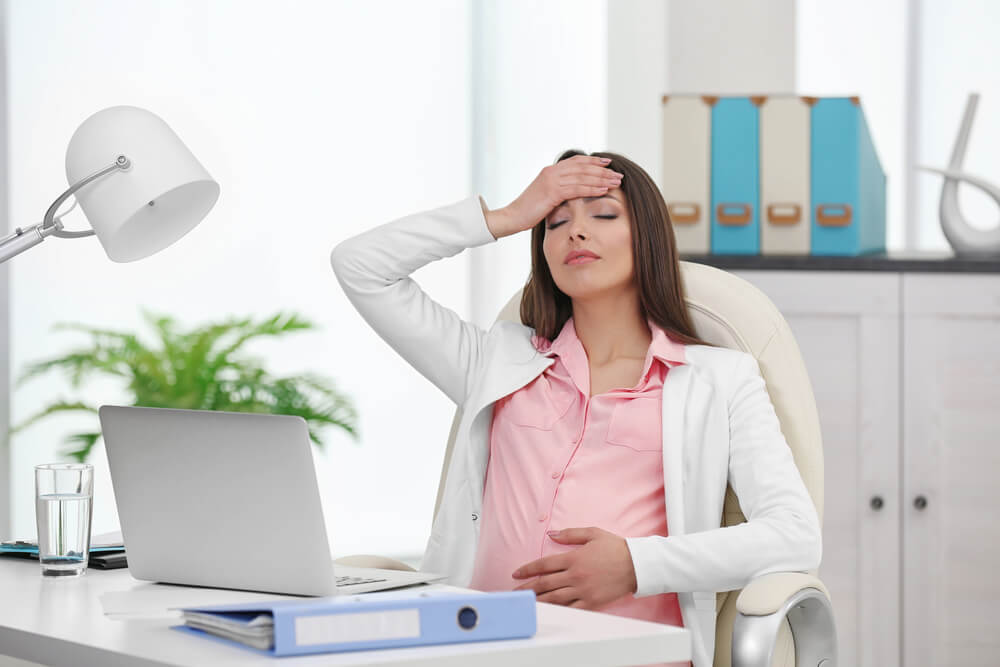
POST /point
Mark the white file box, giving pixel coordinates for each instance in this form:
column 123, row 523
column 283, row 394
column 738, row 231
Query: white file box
column 686, row 174
column 784, row 175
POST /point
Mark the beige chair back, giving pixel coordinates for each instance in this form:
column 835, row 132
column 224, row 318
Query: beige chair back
column 730, row 312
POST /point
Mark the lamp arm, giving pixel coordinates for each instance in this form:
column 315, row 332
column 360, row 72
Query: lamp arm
column 29, row 237
column 122, row 163
column 22, row 239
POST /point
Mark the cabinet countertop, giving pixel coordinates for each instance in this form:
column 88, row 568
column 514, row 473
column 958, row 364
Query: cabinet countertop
column 899, row 262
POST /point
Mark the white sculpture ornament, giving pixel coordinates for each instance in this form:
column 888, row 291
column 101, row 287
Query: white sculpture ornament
column 964, row 239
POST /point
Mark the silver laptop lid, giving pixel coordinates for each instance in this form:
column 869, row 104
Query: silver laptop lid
column 220, row 499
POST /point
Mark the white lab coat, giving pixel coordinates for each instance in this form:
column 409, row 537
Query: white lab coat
column 719, row 426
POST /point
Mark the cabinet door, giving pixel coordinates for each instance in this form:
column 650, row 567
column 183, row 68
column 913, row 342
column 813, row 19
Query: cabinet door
column 951, row 459
column 847, row 328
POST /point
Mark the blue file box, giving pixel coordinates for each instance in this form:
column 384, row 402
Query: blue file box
column 735, row 177
column 391, row 619
column 847, row 181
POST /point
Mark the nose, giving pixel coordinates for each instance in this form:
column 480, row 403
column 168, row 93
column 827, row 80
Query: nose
column 576, row 226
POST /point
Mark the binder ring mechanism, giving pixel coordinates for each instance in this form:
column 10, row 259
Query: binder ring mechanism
column 784, row 214
column 733, row 214
column 684, row 213
column 834, row 215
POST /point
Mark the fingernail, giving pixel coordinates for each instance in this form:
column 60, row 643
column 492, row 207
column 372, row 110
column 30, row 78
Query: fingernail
column 605, row 160
column 552, row 533
column 517, row 573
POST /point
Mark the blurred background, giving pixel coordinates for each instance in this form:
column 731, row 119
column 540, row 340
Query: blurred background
column 323, row 119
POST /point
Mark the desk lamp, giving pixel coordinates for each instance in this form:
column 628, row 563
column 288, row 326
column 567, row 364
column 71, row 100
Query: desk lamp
column 136, row 182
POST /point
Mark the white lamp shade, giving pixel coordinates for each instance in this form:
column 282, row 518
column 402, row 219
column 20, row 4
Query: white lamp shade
column 159, row 199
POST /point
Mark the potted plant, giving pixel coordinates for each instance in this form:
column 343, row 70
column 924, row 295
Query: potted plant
column 199, row 369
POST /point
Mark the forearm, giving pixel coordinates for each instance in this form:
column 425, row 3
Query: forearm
column 374, row 269
column 499, row 221
column 723, row 559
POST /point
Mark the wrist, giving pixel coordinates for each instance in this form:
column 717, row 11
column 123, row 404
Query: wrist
column 498, row 221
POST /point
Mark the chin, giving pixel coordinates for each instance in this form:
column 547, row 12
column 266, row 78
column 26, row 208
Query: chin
column 577, row 289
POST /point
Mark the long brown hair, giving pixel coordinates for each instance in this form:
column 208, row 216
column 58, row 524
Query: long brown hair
column 546, row 308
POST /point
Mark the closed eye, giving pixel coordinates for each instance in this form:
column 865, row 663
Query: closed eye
column 602, row 217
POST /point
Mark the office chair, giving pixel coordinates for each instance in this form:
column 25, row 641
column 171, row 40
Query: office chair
column 783, row 619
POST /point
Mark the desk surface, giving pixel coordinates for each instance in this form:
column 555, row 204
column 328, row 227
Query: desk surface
column 62, row 622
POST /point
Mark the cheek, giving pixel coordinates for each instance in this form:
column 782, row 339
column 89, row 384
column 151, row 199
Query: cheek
column 621, row 241
column 547, row 251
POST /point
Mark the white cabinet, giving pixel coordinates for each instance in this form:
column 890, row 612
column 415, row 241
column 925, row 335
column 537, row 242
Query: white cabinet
column 906, row 372
column 950, row 466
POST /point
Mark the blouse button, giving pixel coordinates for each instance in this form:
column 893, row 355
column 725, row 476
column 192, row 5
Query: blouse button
column 543, row 517
column 555, row 475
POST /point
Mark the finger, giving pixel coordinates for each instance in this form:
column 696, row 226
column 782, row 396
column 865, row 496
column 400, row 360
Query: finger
column 545, row 565
column 588, row 159
column 577, row 535
column 590, row 172
column 589, row 180
column 577, row 191
column 562, row 596
column 578, row 604
column 550, row 582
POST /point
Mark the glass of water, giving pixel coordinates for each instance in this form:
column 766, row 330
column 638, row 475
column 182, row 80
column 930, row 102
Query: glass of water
column 64, row 494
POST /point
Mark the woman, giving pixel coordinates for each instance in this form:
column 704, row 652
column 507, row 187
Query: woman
column 596, row 439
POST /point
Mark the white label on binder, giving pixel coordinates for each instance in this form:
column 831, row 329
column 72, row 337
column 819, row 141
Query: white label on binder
column 357, row 627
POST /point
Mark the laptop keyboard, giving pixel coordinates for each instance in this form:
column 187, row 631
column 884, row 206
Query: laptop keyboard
column 354, row 581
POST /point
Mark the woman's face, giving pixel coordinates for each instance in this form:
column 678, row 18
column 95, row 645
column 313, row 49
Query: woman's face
column 600, row 225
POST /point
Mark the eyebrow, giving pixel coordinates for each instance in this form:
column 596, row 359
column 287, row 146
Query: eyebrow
column 590, row 199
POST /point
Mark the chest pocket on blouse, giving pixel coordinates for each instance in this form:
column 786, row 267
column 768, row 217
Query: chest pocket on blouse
column 535, row 406
column 637, row 424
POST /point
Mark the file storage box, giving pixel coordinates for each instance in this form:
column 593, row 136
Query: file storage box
column 784, row 175
column 687, row 168
column 735, row 176
column 847, row 181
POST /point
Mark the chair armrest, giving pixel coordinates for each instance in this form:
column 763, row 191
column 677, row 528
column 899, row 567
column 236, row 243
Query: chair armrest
column 766, row 594
column 766, row 603
column 380, row 562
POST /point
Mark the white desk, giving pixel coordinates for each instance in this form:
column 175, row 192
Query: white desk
column 62, row 622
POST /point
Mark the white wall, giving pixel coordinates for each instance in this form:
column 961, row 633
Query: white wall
column 729, row 47
column 853, row 47
column 959, row 54
column 721, row 47
column 5, row 509
column 638, row 62
column 540, row 89
column 319, row 120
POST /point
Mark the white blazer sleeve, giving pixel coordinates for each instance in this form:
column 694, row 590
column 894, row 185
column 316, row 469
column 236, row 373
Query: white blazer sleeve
column 782, row 532
column 373, row 269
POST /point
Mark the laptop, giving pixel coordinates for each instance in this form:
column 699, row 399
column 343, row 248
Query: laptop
column 227, row 500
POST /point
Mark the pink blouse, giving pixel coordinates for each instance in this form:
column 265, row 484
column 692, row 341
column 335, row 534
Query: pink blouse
column 560, row 458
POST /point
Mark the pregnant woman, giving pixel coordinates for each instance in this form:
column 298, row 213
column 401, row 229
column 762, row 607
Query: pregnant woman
column 571, row 421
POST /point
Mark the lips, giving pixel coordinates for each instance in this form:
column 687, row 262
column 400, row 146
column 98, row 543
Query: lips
column 580, row 257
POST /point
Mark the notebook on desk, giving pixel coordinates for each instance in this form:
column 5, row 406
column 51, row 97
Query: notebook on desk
column 227, row 500
column 107, row 552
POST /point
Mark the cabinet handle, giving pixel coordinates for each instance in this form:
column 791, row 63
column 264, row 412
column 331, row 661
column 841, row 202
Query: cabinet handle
column 920, row 502
column 876, row 502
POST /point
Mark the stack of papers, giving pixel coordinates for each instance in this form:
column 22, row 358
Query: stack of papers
column 254, row 629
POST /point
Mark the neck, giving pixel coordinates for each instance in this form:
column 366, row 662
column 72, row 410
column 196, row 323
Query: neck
column 611, row 327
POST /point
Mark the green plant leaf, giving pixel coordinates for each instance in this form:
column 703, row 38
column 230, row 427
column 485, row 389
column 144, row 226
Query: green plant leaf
column 85, row 442
column 200, row 369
